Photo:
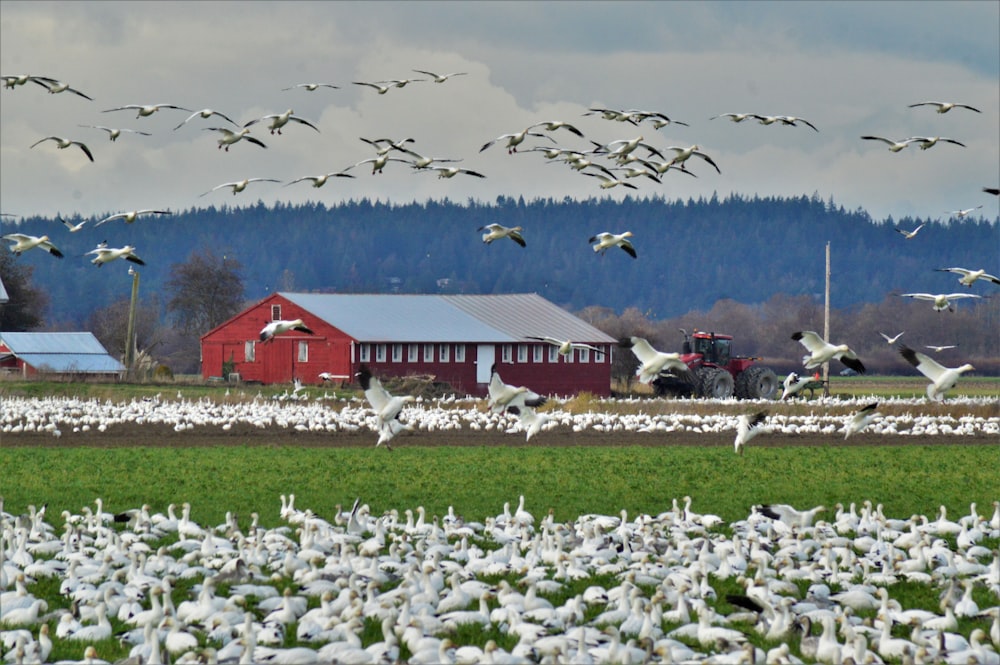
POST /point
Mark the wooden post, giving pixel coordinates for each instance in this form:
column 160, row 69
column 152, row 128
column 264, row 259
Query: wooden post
column 826, row 323
column 130, row 332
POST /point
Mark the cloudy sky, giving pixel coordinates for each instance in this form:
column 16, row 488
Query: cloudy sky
column 849, row 68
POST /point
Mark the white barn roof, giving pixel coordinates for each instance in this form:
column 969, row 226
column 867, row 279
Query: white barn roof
column 447, row 318
column 61, row 351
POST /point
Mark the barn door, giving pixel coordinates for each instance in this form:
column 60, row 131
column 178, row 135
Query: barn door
column 485, row 357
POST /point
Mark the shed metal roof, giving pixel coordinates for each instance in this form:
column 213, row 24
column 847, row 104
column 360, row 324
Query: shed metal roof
column 61, row 351
column 447, row 318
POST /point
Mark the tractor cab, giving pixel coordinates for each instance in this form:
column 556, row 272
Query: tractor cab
column 714, row 349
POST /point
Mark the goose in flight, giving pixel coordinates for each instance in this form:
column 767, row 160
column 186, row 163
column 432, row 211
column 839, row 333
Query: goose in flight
column 909, row 234
column 531, row 420
column 659, row 120
column 793, row 120
column 387, row 407
column 206, row 113
column 861, row 419
column 963, row 213
column 103, row 254
column 382, row 89
column 239, row 185
column 944, row 107
column 734, row 117
column 968, row 277
column 565, row 346
column 624, row 147
column 793, row 384
column 939, row 349
column 23, row 242
column 451, row 171
column 132, row 215
column 378, row 163
column 54, row 86
column 608, row 182
column 515, row 139
column 927, row 142
column 230, row 137
column 62, row 143
column 439, row 78
column 821, row 351
column 652, row 363
column 279, row 120
column 605, row 240
column 747, row 428
column 683, row 154
column 19, row 79
column 320, row 180
column 422, row 162
column 498, row 231
column 942, row 301
column 890, row 340
column 274, row 328
column 894, row 146
column 389, row 146
column 503, row 396
column 147, row 110
column 73, row 228
column 553, row 125
column 312, row 86
column 114, row 132
column 942, row 378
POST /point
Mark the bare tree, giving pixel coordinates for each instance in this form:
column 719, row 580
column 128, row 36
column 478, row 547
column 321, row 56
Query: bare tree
column 26, row 305
column 205, row 291
column 109, row 325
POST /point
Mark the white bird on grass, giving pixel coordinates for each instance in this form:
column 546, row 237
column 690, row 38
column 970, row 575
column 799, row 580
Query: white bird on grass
column 274, row 328
column 132, row 215
column 239, row 185
column 653, row 362
column 387, row 407
column 502, row 395
column 909, row 234
column 146, row 110
column 944, row 107
column 279, row 120
column 793, row 384
column 230, row 137
column 531, row 420
column 565, row 346
column 942, row 301
column 890, row 340
column 605, row 241
column 861, row 419
column 747, row 428
column 104, row 255
column 206, row 113
column 821, row 351
column 968, row 277
column 320, row 180
column 114, row 132
column 23, row 242
column 942, row 378
column 498, row 231
column 62, row 143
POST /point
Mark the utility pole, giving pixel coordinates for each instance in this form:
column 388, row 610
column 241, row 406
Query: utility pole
column 826, row 323
column 130, row 333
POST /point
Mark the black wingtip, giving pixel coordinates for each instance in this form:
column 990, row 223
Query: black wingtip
column 364, row 377
column 797, row 336
column 766, row 511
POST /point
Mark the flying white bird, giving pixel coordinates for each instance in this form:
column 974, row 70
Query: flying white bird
column 968, row 277
column 861, row 419
column 531, row 420
column 132, row 215
column 927, row 142
column 890, row 340
column 382, row 89
column 387, row 407
column 54, row 86
column 565, row 346
column 439, row 78
column 451, row 171
column 747, row 428
column 114, row 132
column 62, row 143
column 942, row 301
column 312, row 86
column 515, row 139
column 894, row 146
column 239, row 185
column 320, row 180
column 605, row 241
column 944, row 107
column 608, row 183
column 939, row 349
column 498, row 231
column 789, row 515
column 942, row 378
column 146, row 110
column 274, row 328
column 23, row 242
column 652, row 363
column 279, row 120
column 230, row 137
column 502, row 395
column 962, row 213
column 103, row 254
column 794, row 384
column 73, row 228
column 821, row 351
column 734, row 117
column 206, row 113
column 683, row 154
column 909, row 234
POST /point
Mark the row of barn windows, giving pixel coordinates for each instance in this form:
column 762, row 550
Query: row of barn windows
column 444, row 353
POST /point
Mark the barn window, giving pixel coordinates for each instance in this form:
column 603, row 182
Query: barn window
column 380, row 353
column 460, row 353
column 570, row 356
column 584, row 355
column 365, row 353
column 397, row 353
column 522, row 353
column 599, row 355
column 303, row 352
column 249, row 350
column 412, row 353
column 275, row 312
column 536, row 353
column 553, row 354
column 506, row 353
column 428, row 353
column 443, row 351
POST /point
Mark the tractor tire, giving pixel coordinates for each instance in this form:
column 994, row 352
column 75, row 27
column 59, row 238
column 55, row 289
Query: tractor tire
column 757, row 382
column 671, row 386
column 715, row 383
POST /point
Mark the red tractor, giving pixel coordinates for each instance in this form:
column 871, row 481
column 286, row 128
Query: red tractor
column 717, row 373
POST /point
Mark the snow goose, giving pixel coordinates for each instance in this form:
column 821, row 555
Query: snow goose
column 942, row 378
column 861, row 419
column 62, row 143
column 968, row 277
column 23, row 242
column 553, row 125
column 821, row 351
column 515, row 139
column 70, row 226
column 274, row 328
column 962, row 213
column 387, row 407
column 927, row 142
column 939, row 349
column 230, row 137
column 207, row 113
column 114, row 132
column 378, row 163
column 894, row 146
column 382, row 89
column 942, row 301
column 605, row 240
column 239, row 185
column 439, row 78
column 659, row 120
column 531, row 420
column 793, row 120
column 132, row 215
column 618, row 149
column 498, row 231
column 54, row 86
column 311, row 86
column 19, row 79
column 683, row 154
column 565, row 346
column 891, row 340
column 793, row 384
column 789, row 515
column 944, row 107
column 747, row 428
column 279, row 120
column 653, row 362
column 452, row 171
column 909, row 234
column 320, row 180
column 502, row 395
column 146, row 110
column 734, row 117
column 421, row 161
column 612, row 114
column 389, row 144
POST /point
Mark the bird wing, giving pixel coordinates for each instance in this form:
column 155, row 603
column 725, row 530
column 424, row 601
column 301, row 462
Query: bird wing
column 629, row 249
column 924, row 363
column 642, row 349
column 811, row 340
column 919, row 296
column 303, row 121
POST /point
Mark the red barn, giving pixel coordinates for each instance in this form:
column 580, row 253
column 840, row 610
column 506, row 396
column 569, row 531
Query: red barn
column 455, row 338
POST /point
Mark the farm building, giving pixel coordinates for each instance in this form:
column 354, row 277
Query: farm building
column 454, row 338
column 68, row 353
